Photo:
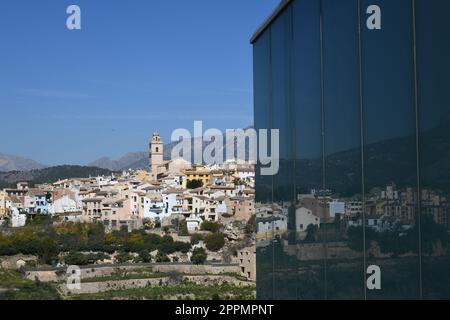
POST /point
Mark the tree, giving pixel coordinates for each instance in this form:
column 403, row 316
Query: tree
column 47, row 250
column 184, row 232
column 196, row 238
column 145, row 256
column 80, row 259
column 311, row 233
column 250, row 227
column 123, row 257
column 199, row 256
column 166, row 230
column 215, row 242
column 157, row 222
column 210, row 226
column 162, row 257
column 194, row 184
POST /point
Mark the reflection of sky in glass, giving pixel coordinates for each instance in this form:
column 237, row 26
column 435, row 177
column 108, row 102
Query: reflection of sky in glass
column 341, row 76
column 388, row 73
column 280, row 50
column 434, row 69
column 307, row 79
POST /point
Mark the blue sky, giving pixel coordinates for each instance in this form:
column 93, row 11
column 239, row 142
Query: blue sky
column 137, row 66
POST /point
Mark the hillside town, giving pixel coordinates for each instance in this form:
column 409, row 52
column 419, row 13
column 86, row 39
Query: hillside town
column 173, row 198
column 176, row 216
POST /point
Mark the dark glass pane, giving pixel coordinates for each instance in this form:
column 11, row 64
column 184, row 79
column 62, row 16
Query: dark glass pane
column 390, row 153
column 433, row 52
column 262, row 107
column 283, row 182
column 308, row 244
column 342, row 124
column 263, row 184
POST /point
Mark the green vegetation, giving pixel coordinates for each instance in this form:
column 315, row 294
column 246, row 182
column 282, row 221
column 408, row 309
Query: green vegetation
column 194, row 184
column 398, row 241
column 210, row 226
column 144, row 256
column 250, row 227
column 157, row 222
column 311, row 233
column 196, row 238
column 40, row 220
column 162, row 257
column 80, row 259
column 122, row 274
column 236, row 275
column 215, row 241
column 183, row 291
column 123, row 257
column 199, row 256
column 184, row 232
column 18, row 288
column 47, row 242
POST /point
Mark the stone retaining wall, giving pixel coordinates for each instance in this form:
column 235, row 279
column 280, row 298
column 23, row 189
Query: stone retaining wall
column 96, row 287
column 104, row 271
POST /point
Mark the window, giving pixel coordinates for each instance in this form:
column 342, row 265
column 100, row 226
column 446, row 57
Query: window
column 342, row 123
column 434, row 125
column 390, row 153
column 307, row 116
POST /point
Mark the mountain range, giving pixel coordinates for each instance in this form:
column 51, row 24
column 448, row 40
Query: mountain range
column 16, row 163
column 385, row 162
column 140, row 160
column 131, row 160
column 49, row 175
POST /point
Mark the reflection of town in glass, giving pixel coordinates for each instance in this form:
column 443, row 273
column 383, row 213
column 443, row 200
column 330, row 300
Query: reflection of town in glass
column 364, row 138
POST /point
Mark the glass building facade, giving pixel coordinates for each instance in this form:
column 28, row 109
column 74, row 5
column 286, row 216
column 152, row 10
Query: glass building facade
column 359, row 209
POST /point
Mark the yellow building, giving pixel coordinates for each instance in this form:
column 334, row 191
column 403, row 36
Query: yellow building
column 142, row 176
column 2, row 203
column 197, row 173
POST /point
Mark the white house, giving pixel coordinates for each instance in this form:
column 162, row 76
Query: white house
column 193, row 223
column 29, row 204
column 303, row 219
column 268, row 226
column 104, row 181
column 172, row 202
column 221, row 207
column 64, row 204
column 336, row 207
column 153, row 206
column 17, row 219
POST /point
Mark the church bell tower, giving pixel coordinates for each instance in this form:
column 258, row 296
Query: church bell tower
column 156, row 153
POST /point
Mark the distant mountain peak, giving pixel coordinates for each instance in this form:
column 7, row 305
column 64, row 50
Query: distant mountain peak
column 131, row 160
column 16, row 163
column 140, row 160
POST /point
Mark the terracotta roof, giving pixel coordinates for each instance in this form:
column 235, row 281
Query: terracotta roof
column 57, row 194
